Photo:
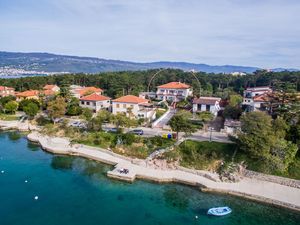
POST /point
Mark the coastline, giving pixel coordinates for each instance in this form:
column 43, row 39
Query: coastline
column 250, row 188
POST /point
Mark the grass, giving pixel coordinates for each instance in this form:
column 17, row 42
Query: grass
column 8, row 117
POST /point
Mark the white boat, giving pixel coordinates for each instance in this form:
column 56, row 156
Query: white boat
column 219, row 211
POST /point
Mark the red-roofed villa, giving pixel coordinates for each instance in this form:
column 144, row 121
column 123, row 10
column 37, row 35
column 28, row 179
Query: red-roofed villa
column 173, row 91
column 133, row 106
column 95, row 102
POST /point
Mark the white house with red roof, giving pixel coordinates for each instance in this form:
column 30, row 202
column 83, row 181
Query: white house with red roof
column 255, row 97
column 6, row 91
column 209, row 104
column 133, row 106
column 173, row 91
column 79, row 91
column 95, row 102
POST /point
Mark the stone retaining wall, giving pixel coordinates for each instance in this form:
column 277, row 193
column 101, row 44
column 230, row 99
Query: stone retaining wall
column 271, row 178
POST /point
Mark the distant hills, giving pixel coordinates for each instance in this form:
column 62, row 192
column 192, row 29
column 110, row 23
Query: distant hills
column 48, row 63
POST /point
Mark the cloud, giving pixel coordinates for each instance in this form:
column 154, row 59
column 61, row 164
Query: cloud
column 258, row 33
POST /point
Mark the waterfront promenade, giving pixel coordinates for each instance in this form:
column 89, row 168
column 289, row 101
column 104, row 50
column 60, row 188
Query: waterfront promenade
column 260, row 190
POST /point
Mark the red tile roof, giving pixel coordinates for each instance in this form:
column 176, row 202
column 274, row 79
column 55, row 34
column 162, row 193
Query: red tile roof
column 94, row 97
column 49, row 86
column 2, row 88
column 28, row 93
column 48, row 92
column 261, row 98
column 175, row 85
column 85, row 90
column 130, row 99
column 206, row 100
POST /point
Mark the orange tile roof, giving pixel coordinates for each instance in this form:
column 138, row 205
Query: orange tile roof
column 94, row 97
column 261, row 98
column 48, row 92
column 28, row 93
column 2, row 88
column 49, row 86
column 130, row 99
column 88, row 89
column 175, row 85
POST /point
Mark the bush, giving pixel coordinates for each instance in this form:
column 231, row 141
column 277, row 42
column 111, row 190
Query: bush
column 26, row 102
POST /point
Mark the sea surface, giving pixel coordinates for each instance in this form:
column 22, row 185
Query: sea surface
column 73, row 191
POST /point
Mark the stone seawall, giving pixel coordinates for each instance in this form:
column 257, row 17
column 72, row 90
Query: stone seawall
column 270, row 178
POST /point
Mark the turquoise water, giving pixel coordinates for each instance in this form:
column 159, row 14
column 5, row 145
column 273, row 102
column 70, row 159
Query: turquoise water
column 75, row 191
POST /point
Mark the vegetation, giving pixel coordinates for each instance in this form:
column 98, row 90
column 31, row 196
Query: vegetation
column 11, row 107
column 263, row 140
column 202, row 155
column 181, row 123
column 57, row 108
column 31, row 110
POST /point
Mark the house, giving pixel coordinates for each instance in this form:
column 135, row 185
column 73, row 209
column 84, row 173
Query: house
column 148, row 95
column 30, row 94
column 255, row 97
column 50, row 90
column 173, row 91
column 79, row 91
column 51, row 87
column 6, row 91
column 133, row 106
column 95, row 102
column 210, row 104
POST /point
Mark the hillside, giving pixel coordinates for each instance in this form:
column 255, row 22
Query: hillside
column 46, row 62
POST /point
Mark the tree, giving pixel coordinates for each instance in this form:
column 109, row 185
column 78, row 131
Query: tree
column 11, row 107
column 73, row 108
column 31, row 109
column 232, row 112
column 180, row 123
column 95, row 124
column 87, row 113
column 119, row 120
column 25, row 102
column 235, row 100
column 56, row 108
column 263, row 139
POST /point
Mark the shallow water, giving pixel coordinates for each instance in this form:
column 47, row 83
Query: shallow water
column 75, row 191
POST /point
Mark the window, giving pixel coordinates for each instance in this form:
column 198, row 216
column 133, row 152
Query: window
column 118, row 105
column 207, row 107
column 94, row 103
column 131, row 106
column 88, row 103
column 82, row 102
column 124, row 105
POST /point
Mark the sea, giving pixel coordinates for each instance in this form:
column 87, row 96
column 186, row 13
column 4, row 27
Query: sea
column 38, row 188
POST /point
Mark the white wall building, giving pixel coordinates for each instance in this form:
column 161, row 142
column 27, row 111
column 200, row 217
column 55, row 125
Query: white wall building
column 254, row 97
column 95, row 102
column 133, row 106
column 173, row 91
column 210, row 104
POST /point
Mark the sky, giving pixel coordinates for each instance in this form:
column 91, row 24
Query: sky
column 262, row 33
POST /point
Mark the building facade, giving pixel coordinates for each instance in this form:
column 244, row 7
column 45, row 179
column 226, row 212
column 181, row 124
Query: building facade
column 173, row 91
column 133, row 106
column 95, row 102
column 209, row 104
column 255, row 97
column 6, row 91
column 30, row 94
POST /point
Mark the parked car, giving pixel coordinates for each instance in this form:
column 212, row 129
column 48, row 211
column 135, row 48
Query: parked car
column 137, row 132
column 110, row 130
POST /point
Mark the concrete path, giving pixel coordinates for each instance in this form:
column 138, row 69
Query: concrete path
column 250, row 188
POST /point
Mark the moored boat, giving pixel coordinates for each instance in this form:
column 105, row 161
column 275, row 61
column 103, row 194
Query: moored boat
column 219, row 211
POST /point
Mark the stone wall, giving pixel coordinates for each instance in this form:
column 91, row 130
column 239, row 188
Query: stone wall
column 274, row 179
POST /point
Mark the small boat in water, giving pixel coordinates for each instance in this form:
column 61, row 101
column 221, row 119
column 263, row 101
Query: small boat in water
column 219, row 211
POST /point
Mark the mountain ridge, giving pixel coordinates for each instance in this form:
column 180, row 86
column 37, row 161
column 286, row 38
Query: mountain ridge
column 49, row 62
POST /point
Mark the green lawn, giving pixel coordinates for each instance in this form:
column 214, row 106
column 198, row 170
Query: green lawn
column 8, row 117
